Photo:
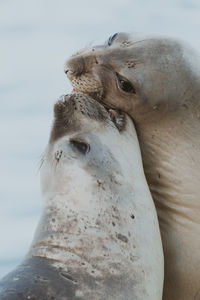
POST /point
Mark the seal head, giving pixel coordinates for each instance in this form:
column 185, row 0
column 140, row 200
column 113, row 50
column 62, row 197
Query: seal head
column 146, row 77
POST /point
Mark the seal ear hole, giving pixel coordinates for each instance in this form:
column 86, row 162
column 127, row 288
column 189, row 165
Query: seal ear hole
column 125, row 85
column 111, row 39
column 81, row 146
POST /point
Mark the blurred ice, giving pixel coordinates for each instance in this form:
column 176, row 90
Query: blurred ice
column 36, row 38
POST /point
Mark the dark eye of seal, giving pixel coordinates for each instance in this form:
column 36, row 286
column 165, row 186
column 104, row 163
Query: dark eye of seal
column 80, row 146
column 111, row 39
column 125, row 84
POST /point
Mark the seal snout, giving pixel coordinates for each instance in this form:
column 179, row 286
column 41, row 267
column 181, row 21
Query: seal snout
column 72, row 111
column 79, row 64
column 75, row 66
column 64, row 105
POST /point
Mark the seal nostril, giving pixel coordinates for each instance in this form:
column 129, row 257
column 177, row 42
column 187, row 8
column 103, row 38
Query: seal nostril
column 58, row 155
column 66, row 71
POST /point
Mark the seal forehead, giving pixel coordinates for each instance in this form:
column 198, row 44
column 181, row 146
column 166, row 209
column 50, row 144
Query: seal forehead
column 143, row 48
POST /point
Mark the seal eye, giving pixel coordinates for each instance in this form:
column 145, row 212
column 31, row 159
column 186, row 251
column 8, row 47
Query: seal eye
column 80, row 146
column 111, row 39
column 125, row 84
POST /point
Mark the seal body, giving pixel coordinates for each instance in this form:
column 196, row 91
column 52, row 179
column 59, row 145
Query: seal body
column 157, row 82
column 98, row 237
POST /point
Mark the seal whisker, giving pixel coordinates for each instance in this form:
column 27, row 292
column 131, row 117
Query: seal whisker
column 41, row 161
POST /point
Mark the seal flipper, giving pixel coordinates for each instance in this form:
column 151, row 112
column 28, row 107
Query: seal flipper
column 37, row 279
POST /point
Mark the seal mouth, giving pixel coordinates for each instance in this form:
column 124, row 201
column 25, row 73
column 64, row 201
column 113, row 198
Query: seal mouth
column 107, row 106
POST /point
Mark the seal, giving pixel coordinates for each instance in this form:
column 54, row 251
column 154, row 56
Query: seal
column 98, row 237
column 156, row 80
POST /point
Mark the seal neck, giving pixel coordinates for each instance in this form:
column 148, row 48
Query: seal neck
column 170, row 151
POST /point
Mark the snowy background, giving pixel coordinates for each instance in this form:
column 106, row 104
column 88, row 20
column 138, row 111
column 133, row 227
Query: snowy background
column 36, row 37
